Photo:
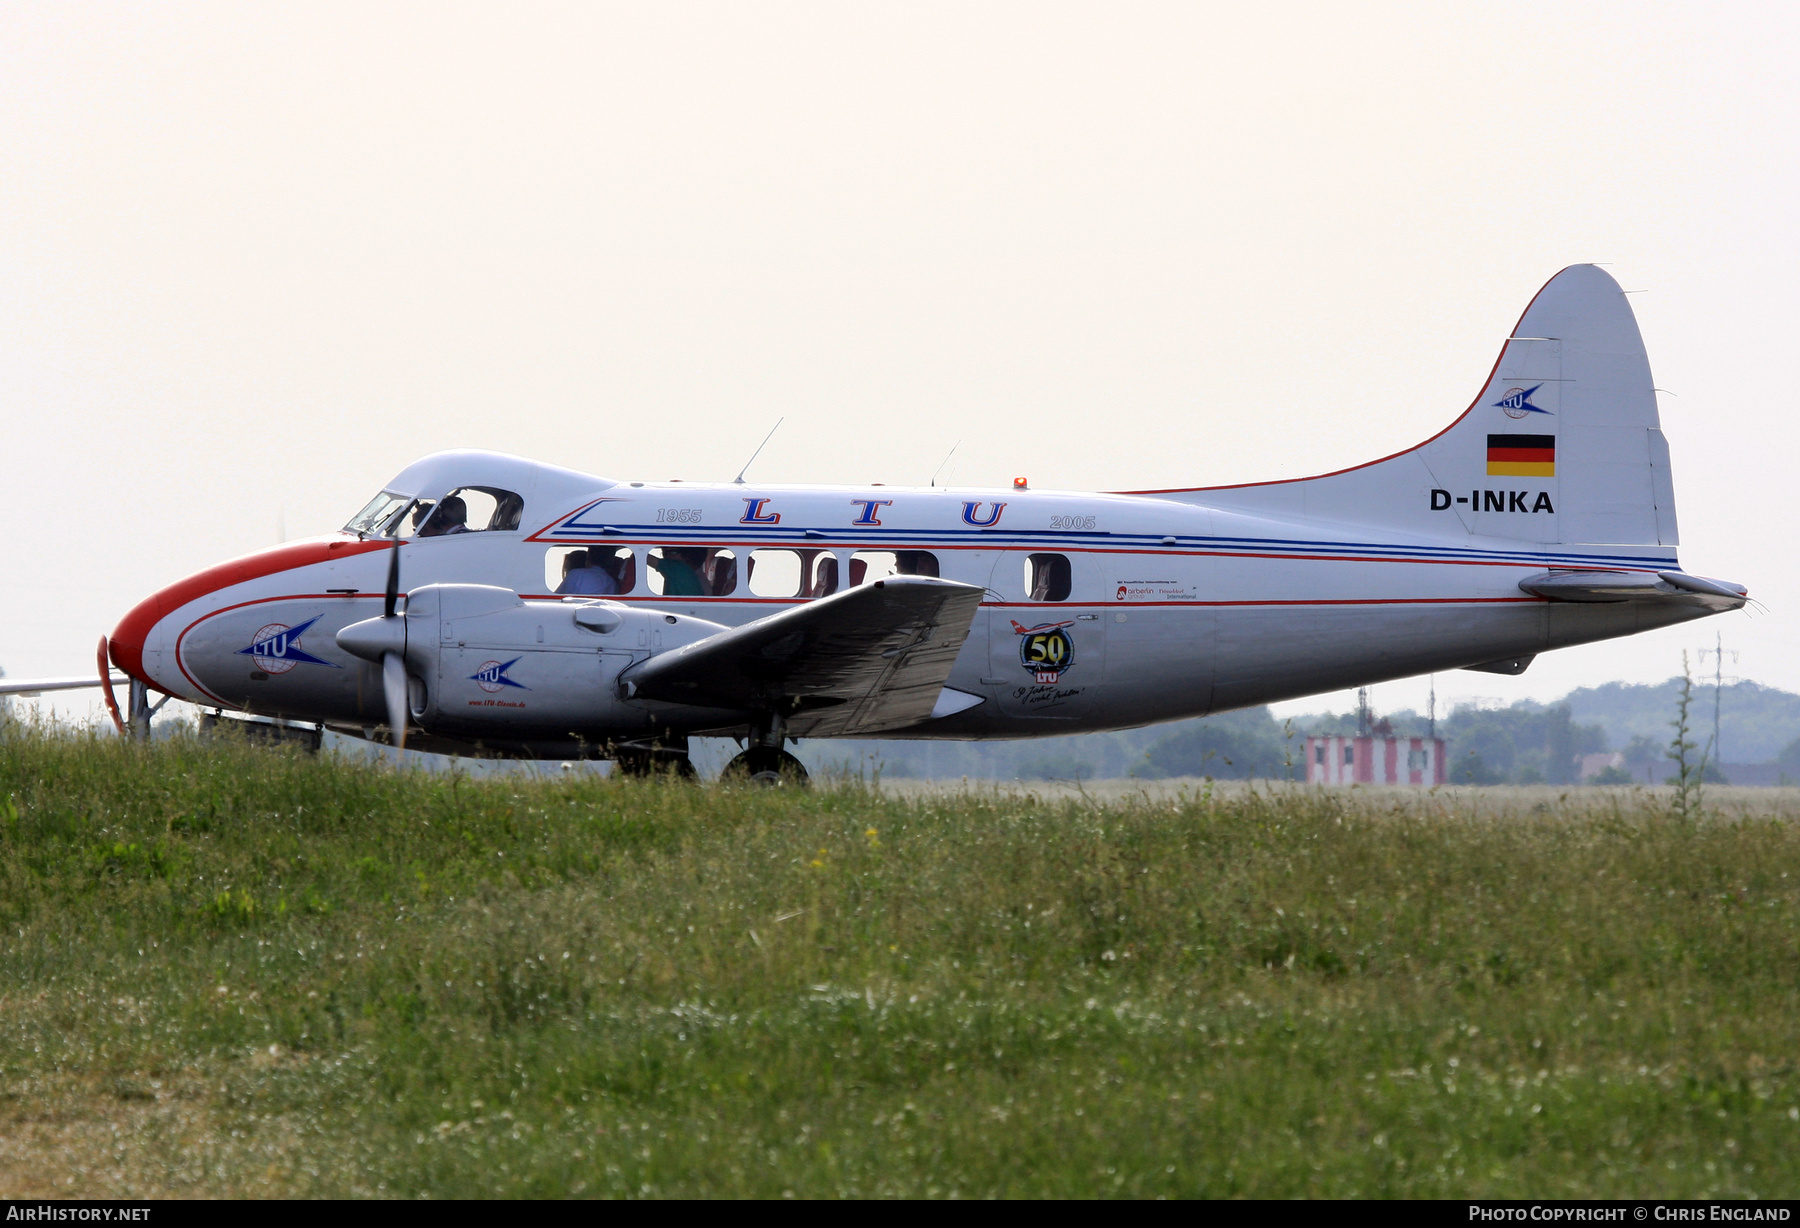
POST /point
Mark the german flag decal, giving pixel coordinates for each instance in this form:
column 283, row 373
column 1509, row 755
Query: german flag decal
column 1522, row 456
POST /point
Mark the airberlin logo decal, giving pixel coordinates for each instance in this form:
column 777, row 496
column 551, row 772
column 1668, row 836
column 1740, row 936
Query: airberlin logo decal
column 1517, row 402
column 491, row 677
column 276, row 648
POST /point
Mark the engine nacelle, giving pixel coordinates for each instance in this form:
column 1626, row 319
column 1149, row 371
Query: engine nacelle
column 482, row 661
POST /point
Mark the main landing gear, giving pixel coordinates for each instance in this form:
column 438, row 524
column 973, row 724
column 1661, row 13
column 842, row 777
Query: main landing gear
column 764, row 762
column 766, row 765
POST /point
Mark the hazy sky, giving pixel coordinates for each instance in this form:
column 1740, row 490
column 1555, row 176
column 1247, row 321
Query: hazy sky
column 256, row 258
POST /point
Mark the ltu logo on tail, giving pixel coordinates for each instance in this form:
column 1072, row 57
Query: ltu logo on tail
column 491, row 677
column 1517, row 402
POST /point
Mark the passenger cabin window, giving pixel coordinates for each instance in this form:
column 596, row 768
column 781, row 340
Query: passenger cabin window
column 1047, row 577
column 472, row 509
column 691, row 571
column 721, row 573
column 868, row 566
column 589, row 571
column 824, row 571
column 774, row 573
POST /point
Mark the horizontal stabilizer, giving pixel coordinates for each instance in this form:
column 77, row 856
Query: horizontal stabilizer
column 1512, row 667
column 870, row 658
column 1611, row 586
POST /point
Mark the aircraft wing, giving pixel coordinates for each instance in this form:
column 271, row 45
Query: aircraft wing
column 36, row 686
column 870, row 658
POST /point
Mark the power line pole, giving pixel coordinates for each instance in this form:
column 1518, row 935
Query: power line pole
column 1718, row 651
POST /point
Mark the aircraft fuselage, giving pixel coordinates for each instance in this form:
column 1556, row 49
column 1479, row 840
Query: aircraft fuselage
column 1102, row 611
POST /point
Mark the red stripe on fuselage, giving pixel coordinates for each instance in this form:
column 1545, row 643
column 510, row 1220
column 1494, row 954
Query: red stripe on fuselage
column 128, row 638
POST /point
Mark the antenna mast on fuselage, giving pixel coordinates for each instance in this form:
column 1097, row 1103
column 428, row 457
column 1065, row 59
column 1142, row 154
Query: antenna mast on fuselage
column 739, row 479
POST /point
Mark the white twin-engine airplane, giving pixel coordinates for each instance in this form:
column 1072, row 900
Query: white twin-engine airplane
column 552, row 613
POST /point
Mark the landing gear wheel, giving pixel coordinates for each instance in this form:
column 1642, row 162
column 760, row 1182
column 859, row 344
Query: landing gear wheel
column 764, row 765
column 662, row 764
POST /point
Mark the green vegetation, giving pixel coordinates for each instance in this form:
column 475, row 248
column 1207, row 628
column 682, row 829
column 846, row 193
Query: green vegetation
column 1526, row 742
column 240, row 971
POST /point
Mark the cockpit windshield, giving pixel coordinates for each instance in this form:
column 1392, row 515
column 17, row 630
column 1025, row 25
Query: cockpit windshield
column 467, row 509
column 375, row 517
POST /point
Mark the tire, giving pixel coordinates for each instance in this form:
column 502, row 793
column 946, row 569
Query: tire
column 766, row 766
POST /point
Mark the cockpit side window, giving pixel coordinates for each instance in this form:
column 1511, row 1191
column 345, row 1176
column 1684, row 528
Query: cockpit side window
column 376, row 516
column 417, row 517
column 474, row 509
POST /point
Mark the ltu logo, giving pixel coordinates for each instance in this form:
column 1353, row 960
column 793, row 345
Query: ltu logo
column 491, row 677
column 1517, row 402
column 276, row 648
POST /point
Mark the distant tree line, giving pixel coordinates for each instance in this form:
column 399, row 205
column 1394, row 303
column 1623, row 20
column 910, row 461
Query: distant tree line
column 1524, row 743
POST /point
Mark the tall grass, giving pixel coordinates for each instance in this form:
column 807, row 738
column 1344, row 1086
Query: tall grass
column 238, row 971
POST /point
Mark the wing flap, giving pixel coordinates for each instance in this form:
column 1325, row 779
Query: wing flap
column 870, row 658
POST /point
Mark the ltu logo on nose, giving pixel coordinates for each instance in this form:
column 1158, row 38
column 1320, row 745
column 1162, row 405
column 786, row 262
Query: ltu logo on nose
column 276, row 648
column 491, row 677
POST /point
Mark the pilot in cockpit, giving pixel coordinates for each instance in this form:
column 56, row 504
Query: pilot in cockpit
column 452, row 517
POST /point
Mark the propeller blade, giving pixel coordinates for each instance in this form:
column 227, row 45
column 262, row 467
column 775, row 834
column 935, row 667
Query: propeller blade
column 393, row 685
column 393, row 582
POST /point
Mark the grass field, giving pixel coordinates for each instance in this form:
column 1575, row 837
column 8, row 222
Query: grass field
column 232, row 971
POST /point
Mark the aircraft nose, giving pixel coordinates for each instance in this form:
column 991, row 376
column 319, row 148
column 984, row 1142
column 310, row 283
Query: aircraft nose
column 135, row 631
column 126, row 643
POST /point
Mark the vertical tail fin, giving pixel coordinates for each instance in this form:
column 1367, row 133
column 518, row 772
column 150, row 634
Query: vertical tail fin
column 1562, row 446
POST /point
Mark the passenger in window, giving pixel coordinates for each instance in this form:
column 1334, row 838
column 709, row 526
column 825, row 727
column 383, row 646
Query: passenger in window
column 724, row 574
column 915, row 563
column 621, row 565
column 452, row 517
column 1050, row 577
column 679, row 567
column 588, row 576
column 825, row 580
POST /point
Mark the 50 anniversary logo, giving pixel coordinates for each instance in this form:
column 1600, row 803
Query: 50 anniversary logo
column 1045, row 650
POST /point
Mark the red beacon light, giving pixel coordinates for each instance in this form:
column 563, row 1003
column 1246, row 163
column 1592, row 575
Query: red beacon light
column 1020, row 484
